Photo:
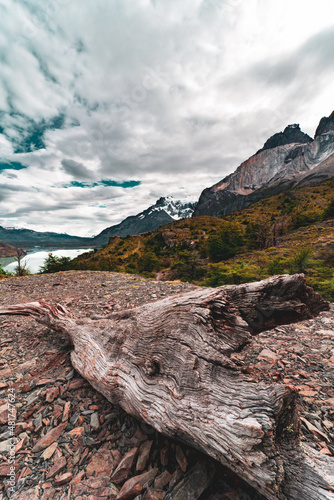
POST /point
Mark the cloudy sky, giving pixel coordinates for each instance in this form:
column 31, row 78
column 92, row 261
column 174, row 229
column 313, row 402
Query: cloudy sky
column 107, row 105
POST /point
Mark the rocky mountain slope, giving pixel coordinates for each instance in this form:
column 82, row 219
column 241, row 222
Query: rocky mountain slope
column 164, row 211
column 287, row 160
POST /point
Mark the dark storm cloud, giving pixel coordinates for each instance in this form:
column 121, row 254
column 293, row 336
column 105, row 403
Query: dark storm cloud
column 76, row 169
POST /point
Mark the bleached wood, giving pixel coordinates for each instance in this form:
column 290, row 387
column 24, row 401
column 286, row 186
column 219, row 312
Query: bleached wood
column 168, row 363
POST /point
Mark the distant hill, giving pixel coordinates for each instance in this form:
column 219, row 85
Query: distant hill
column 165, row 210
column 7, row 250
column 288, row 159
column 29, row 239
column 286, row 233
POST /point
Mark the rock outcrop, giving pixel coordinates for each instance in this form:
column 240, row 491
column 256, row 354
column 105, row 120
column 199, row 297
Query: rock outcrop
column 288, row 159
column 291, row 135
column 325, row 126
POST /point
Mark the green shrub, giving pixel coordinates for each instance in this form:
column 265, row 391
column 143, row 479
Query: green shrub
column 226, row 243
column 148, row 263
column 234, row 274
column 54, row 264
column 188, row 267
column 300, row 261
column 276, row 266
column 329, row 210
column 3, row 272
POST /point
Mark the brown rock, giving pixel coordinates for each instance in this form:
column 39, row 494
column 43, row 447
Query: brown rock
column 47, row 485
column 48, row 452
column 180, row 458
column 123, row 470
column 94, row 421
column 48, row 494
column 164, row 455
column 135, row 485
column 57, row 468
column 76, row 383
column 3, row 414
column 24, row 426
column 21, row 444
column 77, row 431
column 154, row 494
column 161, row 481
column 45, row 381
column 79, row 477
column 67, row 411
column 63, row 479
column 24, row 473
column 51, row 394
column 138, row 438
column 192, row 484
column 315, row 431
column 5, row 469
column 38, row 424
column 26, row 388
column 269, row 355
column 143, row 456
column 99, row 487
column 102, row 464
column 57, row 411
column 31, row 494
column 49, row 438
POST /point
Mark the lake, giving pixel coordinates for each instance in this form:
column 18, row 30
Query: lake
column 35, row 259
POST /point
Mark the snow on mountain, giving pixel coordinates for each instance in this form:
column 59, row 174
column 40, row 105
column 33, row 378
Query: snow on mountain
column 164, row 211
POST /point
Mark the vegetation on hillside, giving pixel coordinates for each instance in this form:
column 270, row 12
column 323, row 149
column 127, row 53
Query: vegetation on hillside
column 287, row 233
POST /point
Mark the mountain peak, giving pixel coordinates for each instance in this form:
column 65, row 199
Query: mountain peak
column 326, row 125
column 302, row 161
column 291, row 134
column 165, row 210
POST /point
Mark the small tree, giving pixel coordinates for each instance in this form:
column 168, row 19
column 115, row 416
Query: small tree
column 21, row 268
column 53, row 264
column 226, row 243
column 300, row 261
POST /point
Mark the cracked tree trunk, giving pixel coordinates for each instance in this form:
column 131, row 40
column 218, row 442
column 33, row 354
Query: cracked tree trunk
column 168, row 363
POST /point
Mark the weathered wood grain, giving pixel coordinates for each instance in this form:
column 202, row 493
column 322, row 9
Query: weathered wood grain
column 168, row 363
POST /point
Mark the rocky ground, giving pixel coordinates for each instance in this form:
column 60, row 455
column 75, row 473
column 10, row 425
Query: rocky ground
column 70, row 442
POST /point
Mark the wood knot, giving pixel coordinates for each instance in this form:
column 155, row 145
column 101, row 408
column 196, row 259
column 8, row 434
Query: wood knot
column 152, row 367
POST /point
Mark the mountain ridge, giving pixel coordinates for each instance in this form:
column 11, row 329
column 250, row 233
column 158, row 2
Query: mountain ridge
column 165, row 210
column 273, row 170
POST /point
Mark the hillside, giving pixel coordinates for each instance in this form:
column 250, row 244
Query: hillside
column 289, row 232
column 7, row 250
column 29, row 239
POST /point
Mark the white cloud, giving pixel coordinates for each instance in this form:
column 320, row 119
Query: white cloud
column 172, row 94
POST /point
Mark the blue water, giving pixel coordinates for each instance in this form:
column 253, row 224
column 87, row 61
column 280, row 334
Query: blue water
column 34, row 260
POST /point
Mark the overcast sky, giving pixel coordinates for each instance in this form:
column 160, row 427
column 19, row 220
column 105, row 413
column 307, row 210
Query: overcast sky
column 107, row 105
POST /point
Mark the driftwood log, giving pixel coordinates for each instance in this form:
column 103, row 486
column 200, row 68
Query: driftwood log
column 168, row 363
